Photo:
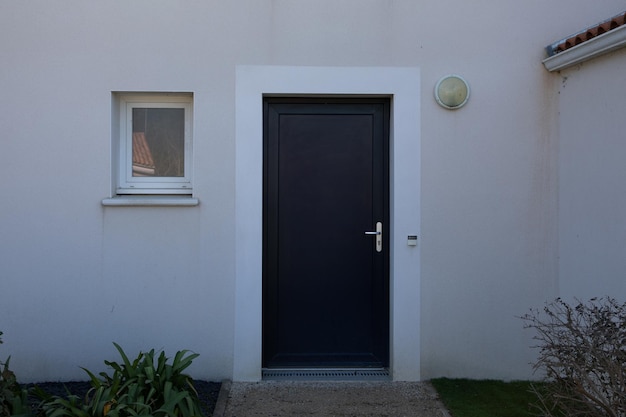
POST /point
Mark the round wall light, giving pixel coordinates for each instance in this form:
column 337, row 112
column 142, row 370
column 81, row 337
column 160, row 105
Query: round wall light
column 452, row 92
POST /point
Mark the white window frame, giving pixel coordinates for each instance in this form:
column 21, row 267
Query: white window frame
column 126, row 183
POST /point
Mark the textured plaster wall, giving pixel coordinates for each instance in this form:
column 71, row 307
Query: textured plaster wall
column 592, row 223
column 76, row 276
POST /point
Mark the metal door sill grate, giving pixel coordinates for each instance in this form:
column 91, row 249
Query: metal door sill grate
column 378, row 374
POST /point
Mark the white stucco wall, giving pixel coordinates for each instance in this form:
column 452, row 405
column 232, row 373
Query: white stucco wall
column 76, row 276
column 592, row 220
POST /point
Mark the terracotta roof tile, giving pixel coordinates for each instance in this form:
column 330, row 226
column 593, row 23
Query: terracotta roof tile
column 587, row 34
column 143, row 164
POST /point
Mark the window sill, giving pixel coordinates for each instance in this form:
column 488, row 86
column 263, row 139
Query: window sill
column 150, row 200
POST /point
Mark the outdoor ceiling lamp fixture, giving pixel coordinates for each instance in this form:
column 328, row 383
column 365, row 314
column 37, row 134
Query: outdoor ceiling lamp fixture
column 452, row 92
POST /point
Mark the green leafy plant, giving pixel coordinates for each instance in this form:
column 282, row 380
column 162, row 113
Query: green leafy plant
column 13, row 398
column 582, row 353
column 141, row 387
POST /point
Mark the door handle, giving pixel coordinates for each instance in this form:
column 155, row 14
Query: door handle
column 379, row 236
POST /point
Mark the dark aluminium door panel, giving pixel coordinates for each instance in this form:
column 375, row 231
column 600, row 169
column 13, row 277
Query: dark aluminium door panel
column 325, row 280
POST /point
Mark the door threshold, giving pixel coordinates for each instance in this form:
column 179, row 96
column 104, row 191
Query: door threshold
column 326, row 374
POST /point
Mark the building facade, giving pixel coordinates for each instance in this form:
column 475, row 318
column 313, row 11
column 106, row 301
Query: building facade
column 112, row 233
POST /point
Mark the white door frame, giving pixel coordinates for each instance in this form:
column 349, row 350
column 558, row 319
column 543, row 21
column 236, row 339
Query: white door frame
column 402, row 84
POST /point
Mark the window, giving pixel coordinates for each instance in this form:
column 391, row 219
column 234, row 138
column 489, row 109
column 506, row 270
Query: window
column 155, row 144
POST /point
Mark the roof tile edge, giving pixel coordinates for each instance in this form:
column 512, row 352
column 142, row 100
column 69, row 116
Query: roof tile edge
column 593, row 48
column 586, row 34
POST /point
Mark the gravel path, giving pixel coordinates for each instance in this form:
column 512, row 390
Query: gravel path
column 325, row 399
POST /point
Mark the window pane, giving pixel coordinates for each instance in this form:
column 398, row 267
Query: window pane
column 158, row 142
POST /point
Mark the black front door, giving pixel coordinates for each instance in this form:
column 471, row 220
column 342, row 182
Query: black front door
column 325, row 280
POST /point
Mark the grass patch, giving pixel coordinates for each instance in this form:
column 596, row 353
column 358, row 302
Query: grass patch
column 486, row 398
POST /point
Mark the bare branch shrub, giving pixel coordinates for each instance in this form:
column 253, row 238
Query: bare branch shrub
column 582, row 352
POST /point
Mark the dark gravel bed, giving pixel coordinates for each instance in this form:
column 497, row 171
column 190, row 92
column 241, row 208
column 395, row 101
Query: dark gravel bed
column 207, row 391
